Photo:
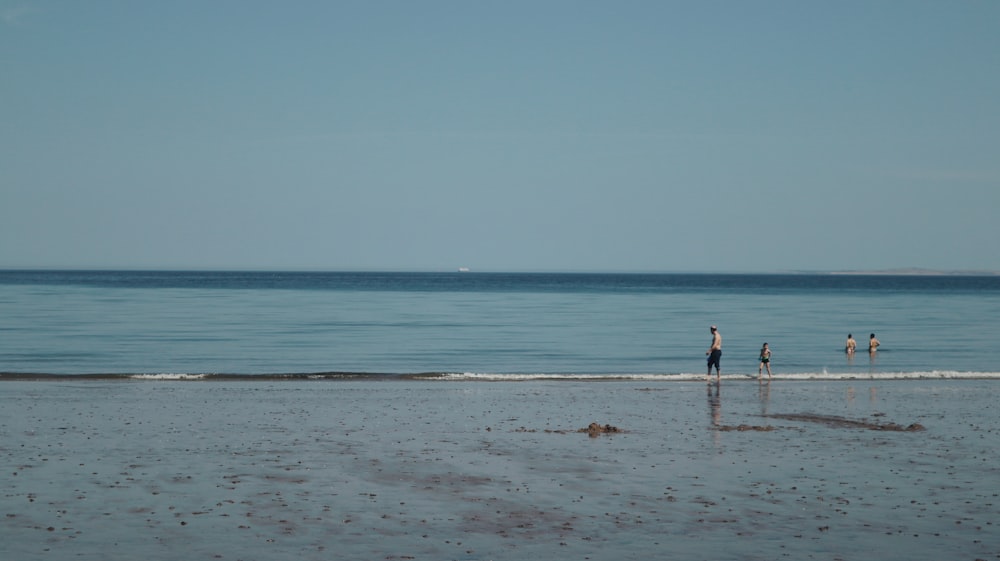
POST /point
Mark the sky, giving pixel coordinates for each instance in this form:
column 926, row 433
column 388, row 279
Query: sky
column 540, row 135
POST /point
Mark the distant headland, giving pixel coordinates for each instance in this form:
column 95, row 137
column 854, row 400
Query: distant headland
column 913, row 271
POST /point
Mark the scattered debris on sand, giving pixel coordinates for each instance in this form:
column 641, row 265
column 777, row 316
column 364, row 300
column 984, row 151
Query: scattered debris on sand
column 841, row 422
column 743, row 428
column 595, row 429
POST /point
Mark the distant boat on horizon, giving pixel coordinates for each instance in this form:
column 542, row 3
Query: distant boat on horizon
column 463, row 269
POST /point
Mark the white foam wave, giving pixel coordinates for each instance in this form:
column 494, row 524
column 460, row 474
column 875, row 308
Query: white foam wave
column 167, row 376
column 514, row 377
column 654, row 377
column 920, row 375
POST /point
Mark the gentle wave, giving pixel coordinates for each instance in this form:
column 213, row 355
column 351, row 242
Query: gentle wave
column 495, row 377
column 185, row 377
column 928, row 375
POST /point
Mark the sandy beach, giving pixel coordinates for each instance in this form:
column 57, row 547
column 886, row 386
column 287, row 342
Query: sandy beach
column 476, row 470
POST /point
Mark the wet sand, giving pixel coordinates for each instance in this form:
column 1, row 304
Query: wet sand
column 474, row 470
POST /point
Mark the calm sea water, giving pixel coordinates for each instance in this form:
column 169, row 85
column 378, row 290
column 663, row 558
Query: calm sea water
column 490, row 325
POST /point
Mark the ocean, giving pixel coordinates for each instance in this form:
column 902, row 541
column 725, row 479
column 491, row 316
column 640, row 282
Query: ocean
column 508, row 326
column 484, row 416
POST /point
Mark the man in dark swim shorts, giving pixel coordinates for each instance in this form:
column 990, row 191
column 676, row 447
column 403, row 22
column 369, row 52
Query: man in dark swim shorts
column 714, row 356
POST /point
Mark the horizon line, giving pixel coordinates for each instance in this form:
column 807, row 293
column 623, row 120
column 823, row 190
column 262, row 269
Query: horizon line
column 909, row 271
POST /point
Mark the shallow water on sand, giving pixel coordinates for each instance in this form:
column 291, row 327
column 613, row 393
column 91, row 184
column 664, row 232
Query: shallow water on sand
column 473, row 470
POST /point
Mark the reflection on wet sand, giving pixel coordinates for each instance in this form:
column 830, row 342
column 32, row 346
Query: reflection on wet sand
column 764, row 393
column 715, row 412
column 715, row 406
column 872, row 395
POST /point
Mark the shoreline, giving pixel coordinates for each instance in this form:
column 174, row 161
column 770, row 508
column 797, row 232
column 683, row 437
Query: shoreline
column 490, row 377
column 452, row 470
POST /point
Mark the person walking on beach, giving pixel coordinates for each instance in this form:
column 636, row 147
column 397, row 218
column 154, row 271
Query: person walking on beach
column 872, row 344
column 714, row 356
column 851, row 344
column 765, row 361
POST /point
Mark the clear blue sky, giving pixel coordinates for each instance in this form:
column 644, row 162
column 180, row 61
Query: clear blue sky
column 503, row 135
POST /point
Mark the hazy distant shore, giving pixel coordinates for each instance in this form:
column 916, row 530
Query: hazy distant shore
column 919, row 272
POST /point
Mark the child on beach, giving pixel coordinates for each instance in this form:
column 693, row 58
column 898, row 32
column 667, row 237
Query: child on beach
column 765, row 360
